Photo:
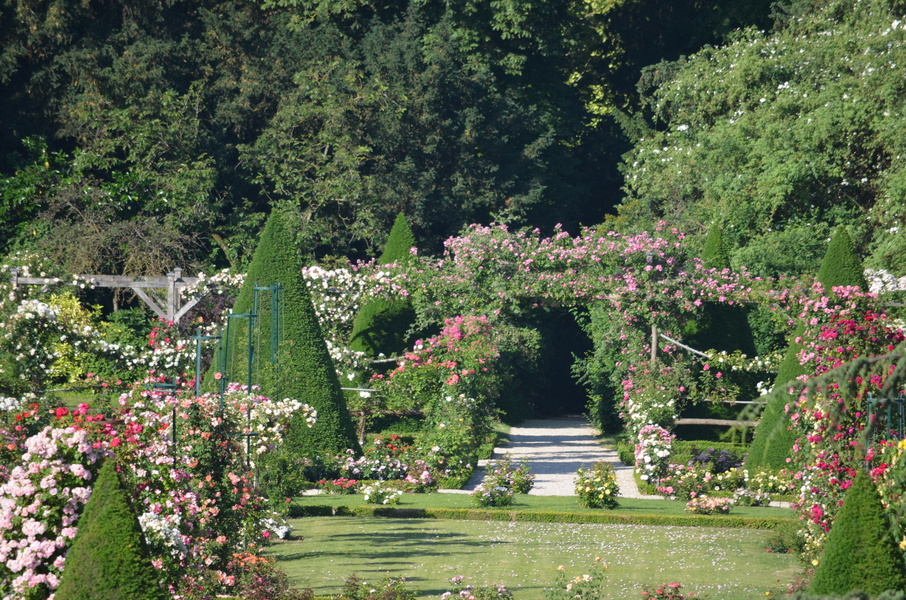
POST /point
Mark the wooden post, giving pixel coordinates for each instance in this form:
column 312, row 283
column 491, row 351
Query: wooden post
column 172, row 294
column 653, row 344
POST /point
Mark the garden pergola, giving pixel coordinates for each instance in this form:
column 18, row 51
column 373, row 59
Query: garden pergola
column 173, row 284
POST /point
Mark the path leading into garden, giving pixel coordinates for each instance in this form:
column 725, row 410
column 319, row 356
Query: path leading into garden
column 555, row 449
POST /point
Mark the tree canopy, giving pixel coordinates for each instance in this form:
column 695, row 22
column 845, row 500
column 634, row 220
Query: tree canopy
column 780, row 137
column 165, row 132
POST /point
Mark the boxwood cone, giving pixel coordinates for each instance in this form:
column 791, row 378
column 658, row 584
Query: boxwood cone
column 305, row 372
column 773, row 441
column 720, row 327
column 860, row 553
column 108, row 559
column 381, row 325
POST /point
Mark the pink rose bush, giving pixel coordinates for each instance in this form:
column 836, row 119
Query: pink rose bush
column 40, row 505
column 190, row 479
column 831, row 411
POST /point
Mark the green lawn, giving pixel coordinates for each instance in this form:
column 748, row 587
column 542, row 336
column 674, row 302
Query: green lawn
column 723, row 564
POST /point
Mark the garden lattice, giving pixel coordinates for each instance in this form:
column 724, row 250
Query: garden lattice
column 888, row 415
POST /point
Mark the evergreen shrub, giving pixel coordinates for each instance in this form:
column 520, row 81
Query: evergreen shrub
column 860, row 553
column 537, row 516
column 841, row 264
column 773, row 441
column 305, row 372
column 108, row 559
column 381, row 325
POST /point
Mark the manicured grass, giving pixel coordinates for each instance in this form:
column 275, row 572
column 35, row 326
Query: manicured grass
column 724, row 564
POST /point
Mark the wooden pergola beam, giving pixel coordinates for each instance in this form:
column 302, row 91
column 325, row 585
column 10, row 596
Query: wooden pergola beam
column 174, row 284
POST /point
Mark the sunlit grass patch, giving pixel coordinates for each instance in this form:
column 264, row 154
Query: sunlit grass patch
column 727, row 563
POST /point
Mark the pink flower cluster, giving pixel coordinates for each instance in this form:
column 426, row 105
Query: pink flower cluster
column 40, row 505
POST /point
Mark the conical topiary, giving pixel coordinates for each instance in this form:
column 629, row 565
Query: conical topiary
column 381, row 325
column 860, row 553
column 399, row 243
column 720, row 326
column 773, row 441
column 714, row 255
column 304, row 369
column 108, row 559
column 841, row 264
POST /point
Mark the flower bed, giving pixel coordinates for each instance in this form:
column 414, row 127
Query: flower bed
column 597, row 486
column 380, row 493
column 704, row 505
column 338, row 486
column 488, row 494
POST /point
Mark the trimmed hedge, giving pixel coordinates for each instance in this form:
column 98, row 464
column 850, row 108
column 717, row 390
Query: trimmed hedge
column 306, row 371
column 714, row 255
column 604, row 517
column 381, row 325
column 720, row 326
column 887, row 595
column 108, row 559
column 773, row 441
column 841, row 264
column 860, row 553
column 400, row 241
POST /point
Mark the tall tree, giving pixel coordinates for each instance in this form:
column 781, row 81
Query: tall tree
column 403, row 121
column 782, row 136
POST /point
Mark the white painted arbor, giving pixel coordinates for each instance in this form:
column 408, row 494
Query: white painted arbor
column 173, row 286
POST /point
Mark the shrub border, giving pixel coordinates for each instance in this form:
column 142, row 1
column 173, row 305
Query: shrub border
column 608, row 518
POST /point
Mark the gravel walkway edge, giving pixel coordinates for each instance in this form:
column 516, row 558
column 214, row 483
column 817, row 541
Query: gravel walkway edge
column 554, row 450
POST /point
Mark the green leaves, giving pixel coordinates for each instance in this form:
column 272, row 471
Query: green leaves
column 777, row 133
column 404, row 120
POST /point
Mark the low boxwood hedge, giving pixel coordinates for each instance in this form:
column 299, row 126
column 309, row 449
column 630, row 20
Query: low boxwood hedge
column 604, row 517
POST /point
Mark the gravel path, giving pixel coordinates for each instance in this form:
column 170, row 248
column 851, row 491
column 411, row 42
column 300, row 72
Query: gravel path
column 555, row 449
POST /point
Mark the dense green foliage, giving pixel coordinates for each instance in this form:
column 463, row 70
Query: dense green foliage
column 719, row 326
column 714, row 255
column 107, row 560
column 163, row 133
column 780, row 136
column 841, row 264
column 381, row 325
column 860, row 553
column 623, row 515
column 304, row 370
column 399, row 243
column 774, row 439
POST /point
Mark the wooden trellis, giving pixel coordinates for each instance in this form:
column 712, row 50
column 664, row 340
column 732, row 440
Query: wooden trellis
column 174, row 284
